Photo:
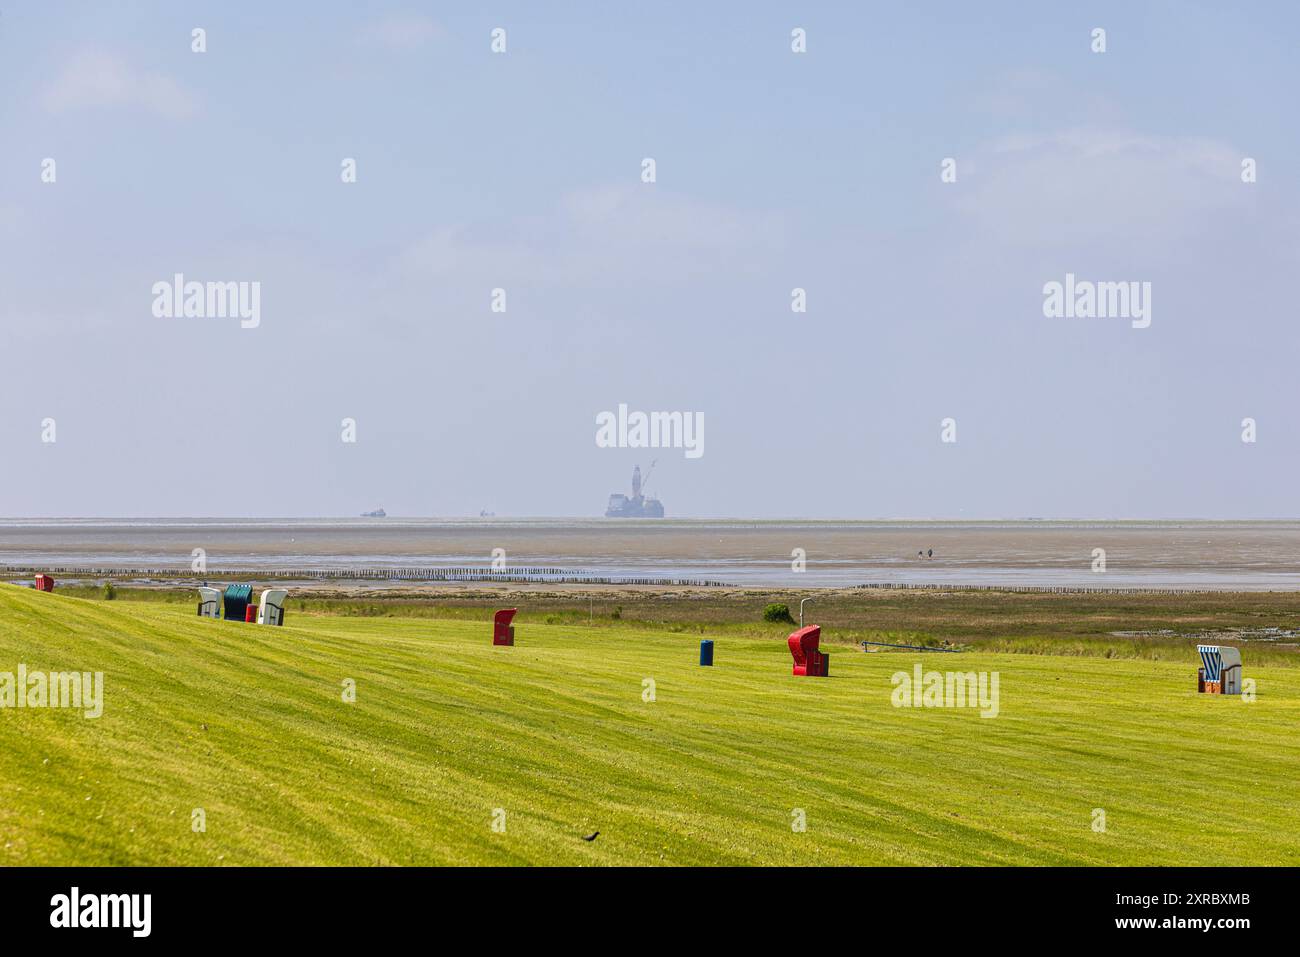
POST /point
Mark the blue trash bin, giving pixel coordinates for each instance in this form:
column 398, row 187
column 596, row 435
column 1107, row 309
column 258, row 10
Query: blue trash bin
column 706, row 651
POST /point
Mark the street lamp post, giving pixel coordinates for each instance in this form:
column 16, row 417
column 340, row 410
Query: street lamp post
column 802, row 602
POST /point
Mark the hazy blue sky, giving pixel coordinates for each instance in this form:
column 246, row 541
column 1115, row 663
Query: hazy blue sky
column 775, row 170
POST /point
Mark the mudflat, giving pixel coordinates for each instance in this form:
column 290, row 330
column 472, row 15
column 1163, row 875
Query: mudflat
column 1237, row 556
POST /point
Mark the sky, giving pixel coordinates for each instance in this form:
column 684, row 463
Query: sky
column 774, row 170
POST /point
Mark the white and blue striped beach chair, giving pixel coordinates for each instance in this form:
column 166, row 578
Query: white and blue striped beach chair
column 1220, row 669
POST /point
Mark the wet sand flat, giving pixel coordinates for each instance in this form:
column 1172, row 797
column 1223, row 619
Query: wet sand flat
column 1241, row 555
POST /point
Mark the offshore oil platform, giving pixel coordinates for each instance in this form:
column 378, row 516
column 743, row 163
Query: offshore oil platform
column 638, row 505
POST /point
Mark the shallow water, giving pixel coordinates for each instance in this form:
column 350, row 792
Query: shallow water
column 1190, row 555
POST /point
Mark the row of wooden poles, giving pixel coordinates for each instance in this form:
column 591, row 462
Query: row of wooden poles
column 467, row 574
column 1039, row 589
column 530, row 575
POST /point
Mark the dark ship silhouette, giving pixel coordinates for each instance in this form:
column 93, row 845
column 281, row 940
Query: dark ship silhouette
column 638, row 505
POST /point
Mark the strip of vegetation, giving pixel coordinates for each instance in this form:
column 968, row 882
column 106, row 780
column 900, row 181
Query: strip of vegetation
column 1167, row 626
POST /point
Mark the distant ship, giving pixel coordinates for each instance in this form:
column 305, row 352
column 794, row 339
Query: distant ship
column 377, row 513
column 639, row 505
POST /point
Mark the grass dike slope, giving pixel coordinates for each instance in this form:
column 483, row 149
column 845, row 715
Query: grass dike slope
column 556, row 738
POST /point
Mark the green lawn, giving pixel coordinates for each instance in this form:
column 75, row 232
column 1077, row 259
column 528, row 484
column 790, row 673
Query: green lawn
column 248, row 723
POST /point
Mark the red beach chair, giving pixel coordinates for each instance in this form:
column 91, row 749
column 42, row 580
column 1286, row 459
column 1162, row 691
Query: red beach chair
column 503, row 633
column 808, row 660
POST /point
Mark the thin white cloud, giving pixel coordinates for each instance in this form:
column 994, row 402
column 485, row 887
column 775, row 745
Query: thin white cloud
column 403, row 31
column 1109, row 186
column 99, row 80
column 602, row 235
column 8, row 221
